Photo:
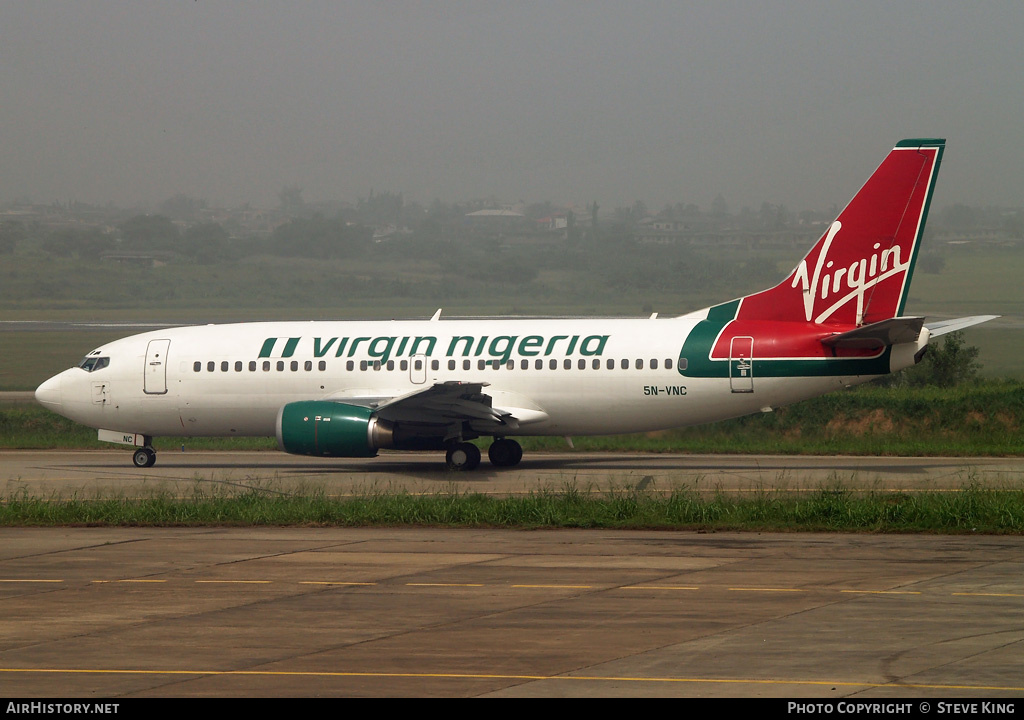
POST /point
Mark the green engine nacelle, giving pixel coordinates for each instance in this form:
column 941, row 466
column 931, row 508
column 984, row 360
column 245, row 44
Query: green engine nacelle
column 330, row 429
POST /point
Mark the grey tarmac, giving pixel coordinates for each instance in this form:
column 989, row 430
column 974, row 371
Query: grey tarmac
column 269, row 612
column 91, row 472
column 230, row 612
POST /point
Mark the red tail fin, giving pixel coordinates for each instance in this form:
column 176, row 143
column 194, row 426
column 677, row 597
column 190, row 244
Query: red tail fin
column 859, row 271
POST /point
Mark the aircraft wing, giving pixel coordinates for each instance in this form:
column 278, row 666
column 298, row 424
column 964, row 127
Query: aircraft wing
column 947, row 326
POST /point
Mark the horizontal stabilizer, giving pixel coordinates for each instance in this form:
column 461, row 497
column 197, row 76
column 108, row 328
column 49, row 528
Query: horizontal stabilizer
column 948, row 326
column 880, row 334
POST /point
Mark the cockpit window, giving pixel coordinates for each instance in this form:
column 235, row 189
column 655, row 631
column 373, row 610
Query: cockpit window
column 91, row 364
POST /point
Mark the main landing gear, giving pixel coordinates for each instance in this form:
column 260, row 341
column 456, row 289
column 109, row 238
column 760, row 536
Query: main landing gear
column 144, row 457
column 466, row 456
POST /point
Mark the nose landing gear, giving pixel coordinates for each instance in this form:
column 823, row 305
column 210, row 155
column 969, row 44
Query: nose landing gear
column 144, row 457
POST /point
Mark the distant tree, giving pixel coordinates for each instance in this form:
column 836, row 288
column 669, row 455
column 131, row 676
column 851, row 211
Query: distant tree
column 207, row 243
column 949, row 364
column 85, row 243
column 932, row 262
column 319, row 237
column 380, row 209
column 182, row 207
column 1014, row 224
column 959, row 217
column 719, row 208
column 11, row 233
column 149, row 232
column 945, row 364
column 291, row 200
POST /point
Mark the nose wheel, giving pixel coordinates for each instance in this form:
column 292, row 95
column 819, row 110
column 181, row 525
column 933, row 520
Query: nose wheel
column 144, row 457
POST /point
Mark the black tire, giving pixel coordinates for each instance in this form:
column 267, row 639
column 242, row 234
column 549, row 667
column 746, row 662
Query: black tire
column 144, row 457
column 505, row 453
column 463, row 457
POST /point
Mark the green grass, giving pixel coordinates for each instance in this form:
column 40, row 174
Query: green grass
column 971, row 509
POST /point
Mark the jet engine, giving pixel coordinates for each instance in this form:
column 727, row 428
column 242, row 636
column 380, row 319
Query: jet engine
column 330, row 429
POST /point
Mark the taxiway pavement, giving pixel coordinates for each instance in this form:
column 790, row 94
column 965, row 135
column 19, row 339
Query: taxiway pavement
column 45, row 473
column 220, row 612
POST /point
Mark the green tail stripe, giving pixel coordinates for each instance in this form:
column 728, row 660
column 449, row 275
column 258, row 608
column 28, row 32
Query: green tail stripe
column 701, row 340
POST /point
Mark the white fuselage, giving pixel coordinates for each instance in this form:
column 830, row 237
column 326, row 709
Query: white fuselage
column 561, row 376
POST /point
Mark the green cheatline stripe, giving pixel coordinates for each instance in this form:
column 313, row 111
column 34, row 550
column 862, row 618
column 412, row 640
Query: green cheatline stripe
column 698, row 345
column 919, row 240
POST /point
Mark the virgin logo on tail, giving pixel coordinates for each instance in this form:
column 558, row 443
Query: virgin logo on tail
column 841, row 285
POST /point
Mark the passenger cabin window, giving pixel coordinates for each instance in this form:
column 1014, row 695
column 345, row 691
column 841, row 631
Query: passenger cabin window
column 211, row 366
column 322, row 365
column 252, row 366
column 266, row 366
column 197, row 366
column 238, row 366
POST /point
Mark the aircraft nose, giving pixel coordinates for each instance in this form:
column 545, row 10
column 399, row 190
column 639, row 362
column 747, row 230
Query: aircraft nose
column 49, row 395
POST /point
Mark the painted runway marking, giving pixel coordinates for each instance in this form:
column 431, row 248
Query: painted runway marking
column 498, row 676
column 530, row 586
column 444, row 585
column 882, row 592
column 557, row 587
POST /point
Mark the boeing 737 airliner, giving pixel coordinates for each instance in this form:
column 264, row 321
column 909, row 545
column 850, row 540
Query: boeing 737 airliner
column 347, row 389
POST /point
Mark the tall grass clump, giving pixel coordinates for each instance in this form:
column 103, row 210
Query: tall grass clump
column 831, row 508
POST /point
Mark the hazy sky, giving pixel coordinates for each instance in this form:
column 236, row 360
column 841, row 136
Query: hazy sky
column 792, row 102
